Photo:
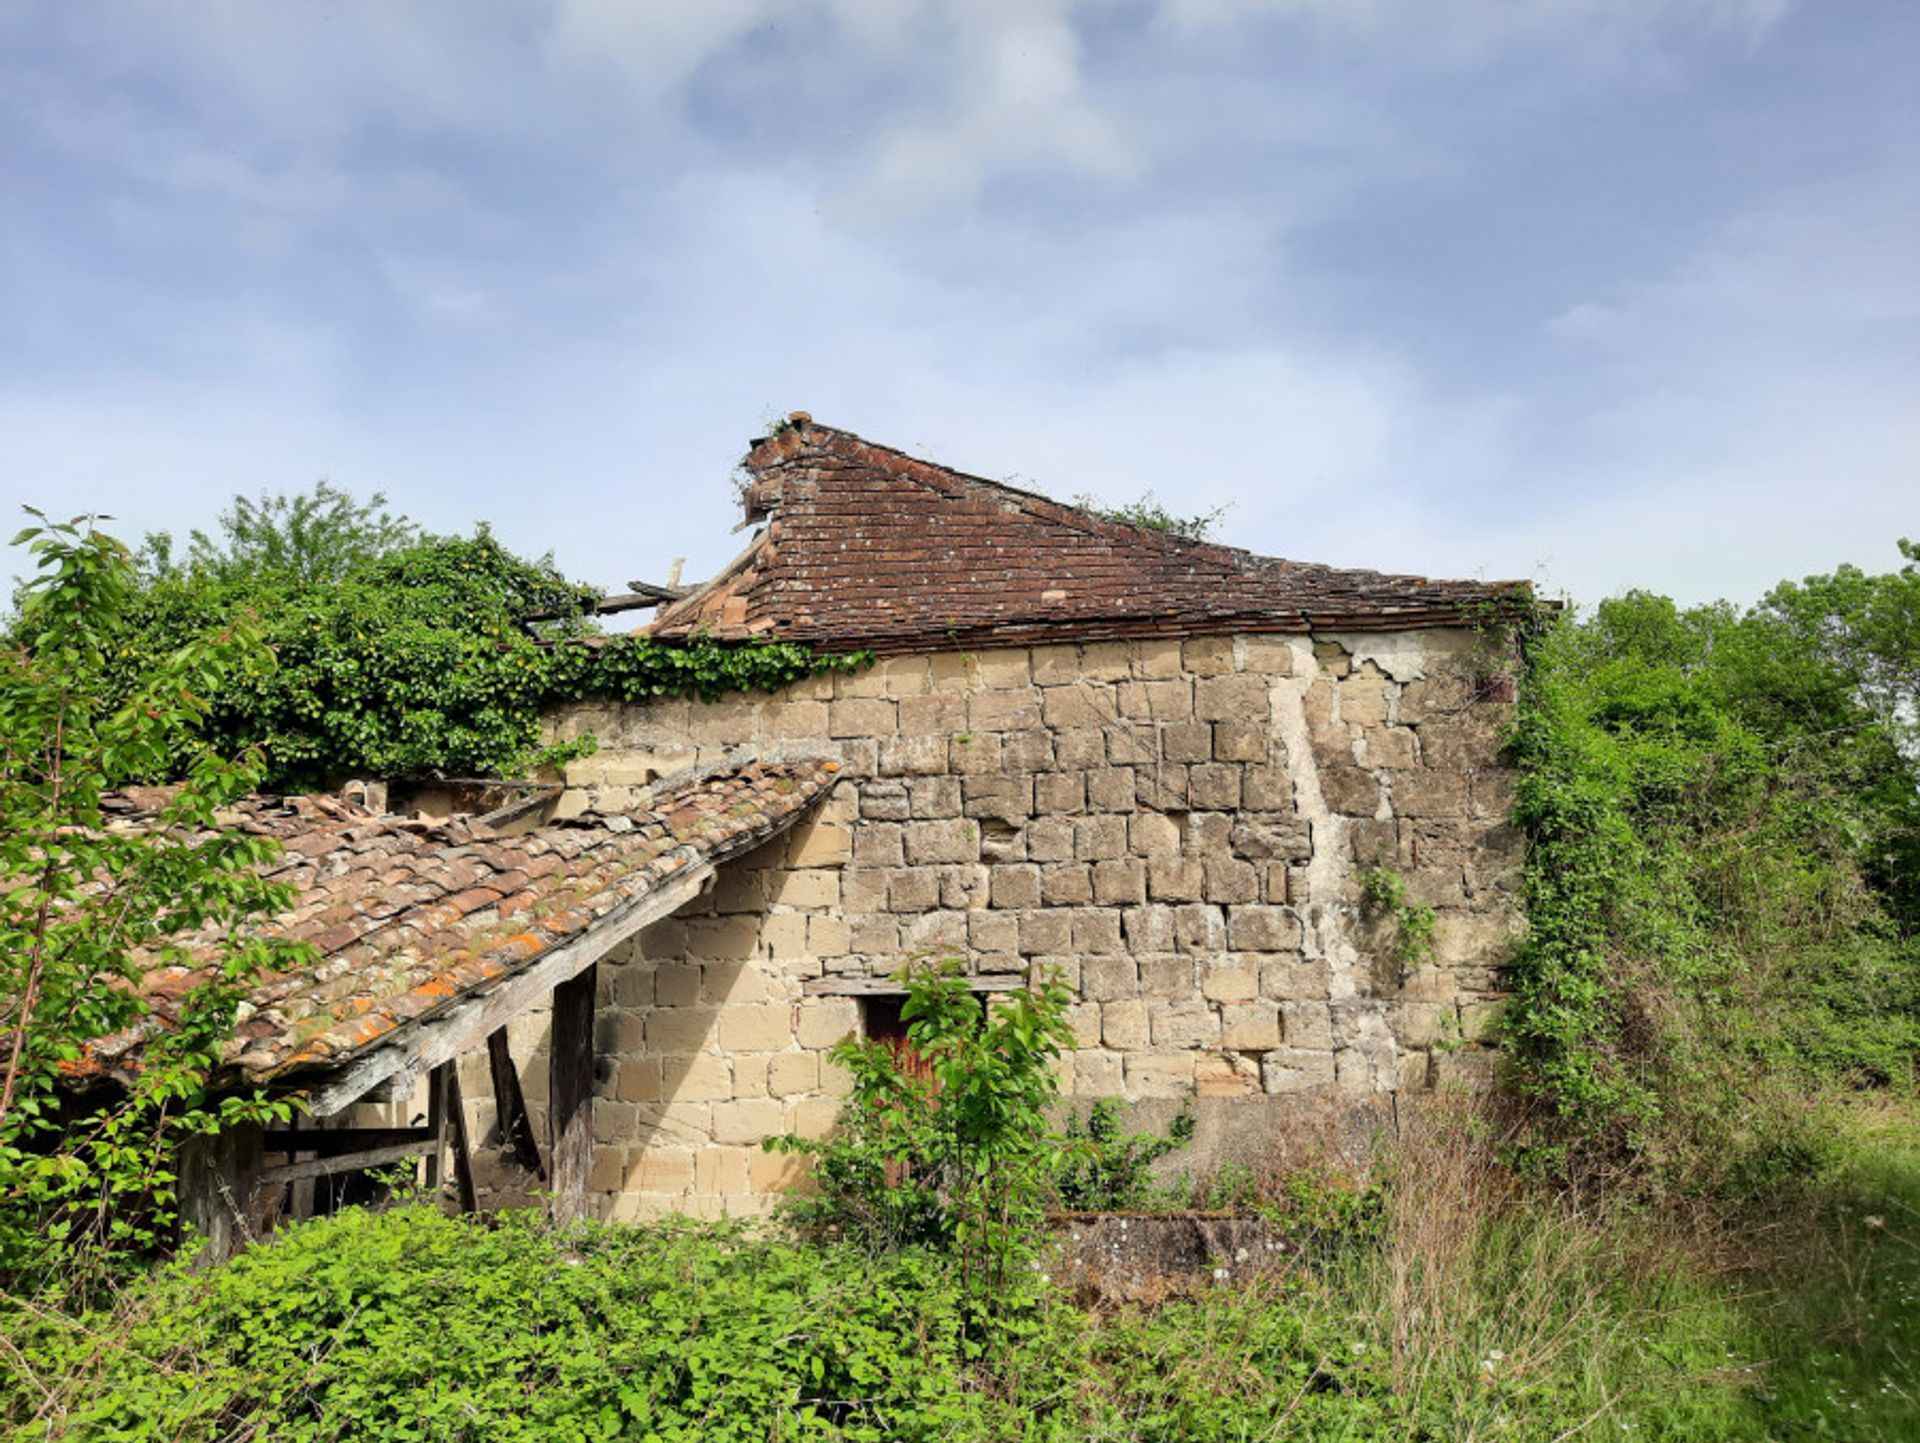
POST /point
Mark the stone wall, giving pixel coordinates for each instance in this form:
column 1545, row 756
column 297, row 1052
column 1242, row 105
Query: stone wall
column 1175, row 827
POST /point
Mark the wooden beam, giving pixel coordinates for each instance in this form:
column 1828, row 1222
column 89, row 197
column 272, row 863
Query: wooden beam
column 457, row 1136
column 345, row 1162
column 219, row 1175
column 570, row 1094
column 470, row 1021
column 895, row 987
column 510, row 1105
column 436, row 1126
column 332, row 1142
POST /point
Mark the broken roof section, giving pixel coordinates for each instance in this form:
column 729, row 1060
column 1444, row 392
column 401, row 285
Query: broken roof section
column 864, row 546
column 431, row 934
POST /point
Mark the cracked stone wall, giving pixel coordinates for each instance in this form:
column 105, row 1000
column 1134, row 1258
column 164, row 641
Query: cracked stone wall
column 1175, row 827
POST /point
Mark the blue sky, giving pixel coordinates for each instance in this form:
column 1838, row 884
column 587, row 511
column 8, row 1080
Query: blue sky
column 1609, row 293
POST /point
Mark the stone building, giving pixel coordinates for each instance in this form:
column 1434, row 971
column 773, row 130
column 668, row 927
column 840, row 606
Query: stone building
column 1156, row 767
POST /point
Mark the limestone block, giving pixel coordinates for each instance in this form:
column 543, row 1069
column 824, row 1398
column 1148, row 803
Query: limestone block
column 681, row 1029
column 1231, row 698
column 1163, row 788
column 918, row 755
column 747, row 1120
column 939, row 715
column 791, row 1073
column 883, row 801
column 1294, row 1069
column 1130, row 746
column 784, row 933
column 993, row 932
column 1050, row 839
column 943, row 931
column 1262, row 928
column 1480, row 1020
column 661, row 1169
column 1417, row 1025
column 979, row 753
column 863, row 889
column 1235, row 741
column 1307, row 1024
column 1390, row 747
column 1350, row 789
column 1209, row 834
column 912, row 889
column 934, row 798
column 1267, row 789
column 1106, row 660
column 1413, row 1071
column 1096, row 1073
column 1084, row 704
column 1363, row 697
column 1215, row 1075
column 721, row 1171
column 1156, row 659
column 1207, row 656
column 1107, row 979
column 823, row 1021
column 1099, row 838
column 1214, row 786
column 569, row 804
column 1060, row 794
column 1187, row 742
column 1295, row 979
column 1170, row 702
column 818, row 844
column 1015, row 885
column 637, row 1079
column 1492, row 790
column 1066, row 884
column 609, row 1171
column 1257, row 839
column 1044, row 933
column 775, row 1171
column 1268, row 655
column 1440, row 696
column 726, row 939
column 1024, row 751
column 1229, row 979
column 1482, row 938
column 687, row 1080
column 1120, row 881
column 665, row 938
column 1159, row 1074
column 1176, row 879
column 873, row 934
column 1167, row 976
column 861, row 717
column 1056, row 665
column 749, row 1074
column 813, row 1117
column 1252, row 1026
column 755, row 1026
column 1083, row 1018
column 1123, row 1024
column 879, row 844
column 1095, row 929
column 954, row 840
column 1178, row 1024
column 1151, row 834
column 1430, row 792
column 633, row 984
column 859, row 758
column 1231, row 880
column 1080, row 748
column 1199, row 928
column 835, row 1081
column 1110, row 789
column 828, row 936
column 794, row 718
column 1003, row 669
column 1008, row 798
column 618, row 1032
column 738, row 889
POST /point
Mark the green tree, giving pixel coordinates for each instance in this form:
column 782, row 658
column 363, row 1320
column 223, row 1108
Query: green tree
column 87, row 908
column 318, row 535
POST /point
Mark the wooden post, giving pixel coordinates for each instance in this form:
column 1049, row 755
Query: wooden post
column 516, row 1128
column 218, row 1176
column 462, row 1159
column 436, row 1126
column 570, row 1094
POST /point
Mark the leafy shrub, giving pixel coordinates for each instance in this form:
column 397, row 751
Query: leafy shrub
column 1104, row 1167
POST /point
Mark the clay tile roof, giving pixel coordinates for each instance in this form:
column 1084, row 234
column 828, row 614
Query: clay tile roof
column 864, row 546
column 408, row 916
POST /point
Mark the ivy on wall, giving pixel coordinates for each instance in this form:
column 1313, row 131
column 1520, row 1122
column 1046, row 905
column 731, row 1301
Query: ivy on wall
column 422, row 660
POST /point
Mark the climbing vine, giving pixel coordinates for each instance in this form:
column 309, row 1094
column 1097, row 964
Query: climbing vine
column 424, row 659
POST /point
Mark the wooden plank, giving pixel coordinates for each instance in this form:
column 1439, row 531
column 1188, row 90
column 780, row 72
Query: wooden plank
column 469, row 1022
column 346, row 1162
column 457, row 1137
column 510, row 1105
column 219, row 1175
column 570, row 1094
column 334, row 1141
column 436, row 1127
column 893, row 987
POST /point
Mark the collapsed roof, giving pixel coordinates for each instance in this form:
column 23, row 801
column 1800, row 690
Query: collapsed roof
column 865, row 547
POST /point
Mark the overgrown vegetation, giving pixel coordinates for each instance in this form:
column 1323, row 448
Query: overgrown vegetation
column 1148, row 512
column 390, row 653
column 1723, row 813
column 85, row 908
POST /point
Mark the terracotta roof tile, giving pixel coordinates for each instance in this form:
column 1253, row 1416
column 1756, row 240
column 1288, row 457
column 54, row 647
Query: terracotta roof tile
column 477, row 906
column 865, row 546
